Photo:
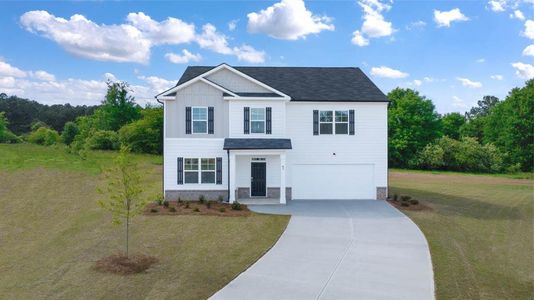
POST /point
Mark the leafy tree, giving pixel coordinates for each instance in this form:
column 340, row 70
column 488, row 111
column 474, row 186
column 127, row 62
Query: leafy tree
column 413, row 123
column 473, row 128
column 123, row 194
column 510, row 126
column 451, row 123
column 103, row 140
column 69, row 133
column 6, row 136
column 44, row 136
column 483, row 107
column 118, row 108
column 145, row 135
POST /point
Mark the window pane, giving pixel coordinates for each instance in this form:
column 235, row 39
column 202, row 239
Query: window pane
column 200, row 127
column 326, row 128
column 208, row 177
column 191, row 164
column 342, row 116
column 326, row 116
column 257, row 126
column 257, row 114
column 191, row 177
column 208, row 164
column 342, row 128
column 200, row 113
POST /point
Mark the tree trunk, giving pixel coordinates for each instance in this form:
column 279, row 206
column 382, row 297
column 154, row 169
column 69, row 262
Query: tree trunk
column 127, row 230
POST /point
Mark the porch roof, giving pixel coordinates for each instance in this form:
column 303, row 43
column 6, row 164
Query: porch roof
column 256, row 143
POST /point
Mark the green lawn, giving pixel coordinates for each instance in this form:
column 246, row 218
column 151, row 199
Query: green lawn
column 52, row 232
column 481, row 232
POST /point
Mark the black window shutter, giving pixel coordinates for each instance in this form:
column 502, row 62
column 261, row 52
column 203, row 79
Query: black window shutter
column 315, row 122
column 219, row 170
column 188, row 120
column 351, row 122
column 268, row 117
column 246, row 118
column 180, row 168
column 210, row 120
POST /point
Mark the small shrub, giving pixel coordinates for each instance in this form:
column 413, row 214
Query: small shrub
column 236, row 206
column 179, row 200
column 103, row 140
column 201, row 199
column 186, row 204
column 414, row 202
column 166, row 203
column 196, row 209
column 395, row 197
column 220, row 198
column 172, row 209
column 208, row 204
column 405, row 198
column 405, row 204
column 44, row 136
column 222, row 209
column 154, row 210
column 159, row 200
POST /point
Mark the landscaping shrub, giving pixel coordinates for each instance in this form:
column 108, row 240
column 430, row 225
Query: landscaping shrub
column 201, row 199
column 222, row 209
column 414, row 202
column 236, row 206
column 179, row 200
column 172, row 209
column 44, row 136
column 186, row 204
column 208, row 204
column 103, row 140
column 166, row 203
column 154, row 210
column 160, row 199
column 196, row 209
column 220, row 198
column 406, row 204
column 405, row 198
column 395, row 197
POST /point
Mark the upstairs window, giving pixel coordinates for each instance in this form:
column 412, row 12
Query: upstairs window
column 334, row 122
column 257, row 120
column 342, row 122
column 325, row 122
column 200, row 119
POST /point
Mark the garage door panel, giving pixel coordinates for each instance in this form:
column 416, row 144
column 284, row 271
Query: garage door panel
column 333, row 181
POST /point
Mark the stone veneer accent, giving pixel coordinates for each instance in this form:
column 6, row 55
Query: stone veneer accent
column 272, row 192
column 381, row 193
column 192, row 195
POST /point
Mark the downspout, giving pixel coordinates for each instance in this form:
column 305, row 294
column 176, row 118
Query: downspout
column 228, row 155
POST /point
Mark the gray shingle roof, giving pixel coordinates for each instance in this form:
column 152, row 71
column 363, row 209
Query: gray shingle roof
column 309, row 83
column 253, row 143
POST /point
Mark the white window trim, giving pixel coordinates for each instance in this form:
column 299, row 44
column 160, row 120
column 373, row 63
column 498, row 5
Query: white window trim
column 264, row 120
column 193, row 120
column 199, row 170
column 334, row 122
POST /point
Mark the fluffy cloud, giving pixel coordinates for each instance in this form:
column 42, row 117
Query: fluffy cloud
column 529, row 50
column 458, row 102
column 232, row 25
column 387, row 72
column 529, row 29
column 524, row 71
column 445, row 18
column 287, row 20
column 128, row 42
column 517, row 15
column 184, row 58
column 417, row 82
column 43, row 75
column 497, row 5
column 497, row 77
column 416, row 25
column 10, row 71
column 469, row 83
column 374, row 25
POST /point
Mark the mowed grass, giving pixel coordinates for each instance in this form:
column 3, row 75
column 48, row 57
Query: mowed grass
column 52, row 232
column 481, row 232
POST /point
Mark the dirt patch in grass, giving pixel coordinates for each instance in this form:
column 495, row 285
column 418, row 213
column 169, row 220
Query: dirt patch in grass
column 412, row 207
column 462, row 179
column 196, row 208
column 125, row 265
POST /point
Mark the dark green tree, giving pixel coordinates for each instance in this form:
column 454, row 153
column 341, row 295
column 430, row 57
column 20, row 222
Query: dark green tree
column 413, row 123
column 118, row 107
column 145, row 135
column 483, row 107
column 451, row 123
column 69, row 132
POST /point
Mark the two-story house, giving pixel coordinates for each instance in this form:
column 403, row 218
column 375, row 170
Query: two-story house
column 274, row 133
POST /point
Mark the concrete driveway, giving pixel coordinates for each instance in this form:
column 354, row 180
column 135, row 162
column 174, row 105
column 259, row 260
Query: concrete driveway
column 363, row 249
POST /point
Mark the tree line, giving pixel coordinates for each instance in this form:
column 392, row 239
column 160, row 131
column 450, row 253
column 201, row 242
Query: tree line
column 494, row 136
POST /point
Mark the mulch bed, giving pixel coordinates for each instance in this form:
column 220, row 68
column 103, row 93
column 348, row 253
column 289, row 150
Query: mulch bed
column 125, row 265
column 196, row 208
column 413, row 207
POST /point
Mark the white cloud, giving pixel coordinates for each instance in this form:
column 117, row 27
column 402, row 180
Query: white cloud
column 481, row 60
column 529, row 50
column 11, row 71
column 416, row 25
column 529, row 29
column 469, row 83
column 445, row 18
column 517, row 15
column 428, row 79
column 417, row 82
column 287, row 20
column 157, row 84
column 184, row 58
column 232, row 25
column 497, row 77
column 497, row 5
column 172, row 31
column 387, row 72
column 458, row 102
column 524, row 71
column 374, row 25
column 43, row 75
column 249, row 54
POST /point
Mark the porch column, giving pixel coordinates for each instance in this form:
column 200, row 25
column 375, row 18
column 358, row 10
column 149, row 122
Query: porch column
column 282, row 178
column 232, row 177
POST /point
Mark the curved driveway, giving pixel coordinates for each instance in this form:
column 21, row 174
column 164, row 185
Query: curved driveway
column 363, row 249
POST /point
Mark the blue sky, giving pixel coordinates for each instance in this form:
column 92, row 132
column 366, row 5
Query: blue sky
column 453, row 52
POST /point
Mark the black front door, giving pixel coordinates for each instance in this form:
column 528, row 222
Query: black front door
column 258, row 179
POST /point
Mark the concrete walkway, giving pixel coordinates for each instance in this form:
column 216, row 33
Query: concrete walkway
column 339, row 250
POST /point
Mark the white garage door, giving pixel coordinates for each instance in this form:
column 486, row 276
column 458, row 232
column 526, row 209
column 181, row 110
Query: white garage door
column 321, row 181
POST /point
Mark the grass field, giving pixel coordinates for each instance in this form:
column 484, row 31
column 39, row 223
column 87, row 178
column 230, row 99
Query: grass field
column 481, row 232
column 52, row 232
